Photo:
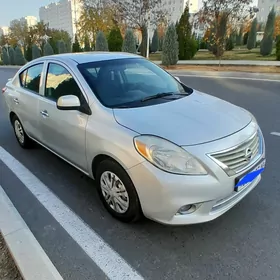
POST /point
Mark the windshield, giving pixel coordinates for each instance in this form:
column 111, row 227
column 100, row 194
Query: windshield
column 131, row 82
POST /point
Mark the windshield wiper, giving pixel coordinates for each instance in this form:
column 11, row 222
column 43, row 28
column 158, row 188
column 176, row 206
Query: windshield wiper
column 159, row 95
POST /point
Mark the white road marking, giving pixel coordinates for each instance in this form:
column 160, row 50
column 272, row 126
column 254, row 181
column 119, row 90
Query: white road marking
column 108, row 260
column 225, row 77
column 275, row 133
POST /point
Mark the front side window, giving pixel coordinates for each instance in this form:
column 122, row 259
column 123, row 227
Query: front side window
column 31, row 78
column 60, row 82
column 129, row 82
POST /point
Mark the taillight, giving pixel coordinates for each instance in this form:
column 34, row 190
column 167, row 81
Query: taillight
column 4, row 89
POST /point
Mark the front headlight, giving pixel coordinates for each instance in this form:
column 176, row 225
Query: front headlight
column 167, row 156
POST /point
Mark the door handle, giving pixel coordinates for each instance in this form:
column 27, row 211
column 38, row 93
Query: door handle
column 44, row 113
column 16, row 101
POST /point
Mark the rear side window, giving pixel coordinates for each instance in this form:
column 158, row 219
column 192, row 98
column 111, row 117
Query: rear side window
column 31, row 78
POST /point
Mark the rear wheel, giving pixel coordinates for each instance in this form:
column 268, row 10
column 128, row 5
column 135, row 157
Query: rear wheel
column 22, row 138
column 117, row 192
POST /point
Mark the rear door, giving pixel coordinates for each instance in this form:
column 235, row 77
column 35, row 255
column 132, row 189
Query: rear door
column 25, row 98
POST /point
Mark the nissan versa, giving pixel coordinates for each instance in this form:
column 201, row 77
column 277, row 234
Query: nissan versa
column 154, row 146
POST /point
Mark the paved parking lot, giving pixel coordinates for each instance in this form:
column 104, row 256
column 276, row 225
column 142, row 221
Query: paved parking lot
column 61, row 207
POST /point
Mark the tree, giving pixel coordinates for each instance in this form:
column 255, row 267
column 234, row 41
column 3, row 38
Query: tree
column 239, row 37
column 267, row 41
column 252, row 38
column 187, row 46
column 19, row 58
column 6, row 58
column 18, row 31
column 278, row 49
column 136, row 14
column 170, row 50
column 76, row 45
column 48, row 50
column 220, row 15
column 61, row 47
column 155, row 42
column 87, row 44
column 229, row 43
column 277, row 26
column 12, row 55
column 28, row 53
column 101, row 42
column 36, row 52
column 129, row 44
column 96, row 16
column 115, row 40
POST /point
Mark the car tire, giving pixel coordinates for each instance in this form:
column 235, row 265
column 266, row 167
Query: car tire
column 24, row 141
column 122, row 202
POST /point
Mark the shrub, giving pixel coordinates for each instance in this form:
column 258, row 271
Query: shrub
column 278, row 50
column 76, row 45
column 170, row 49
column 101, row 42
column 129, row 43
column 12, row 55
column 6, row 57
column 19, row 58
column 267, row 41
column 155, row 42
column 251, row 43
column 115, row 40
column 229, row 44
column 61, row 47
column 87, row 44
column 48, row 50
column 36, row 52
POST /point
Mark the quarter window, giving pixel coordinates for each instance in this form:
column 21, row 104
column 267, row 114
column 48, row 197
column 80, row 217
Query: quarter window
column 60, row 82
column 31, row 78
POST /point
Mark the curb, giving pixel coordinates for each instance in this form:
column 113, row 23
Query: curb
column 31, row 260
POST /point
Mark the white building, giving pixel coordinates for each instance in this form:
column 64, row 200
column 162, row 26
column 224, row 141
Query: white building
column 30, row 20
column 4, row 30
column 264, row 8
column 63, row 15
column 175, row 8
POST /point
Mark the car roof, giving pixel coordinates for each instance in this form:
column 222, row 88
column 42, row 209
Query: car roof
column 90, row 56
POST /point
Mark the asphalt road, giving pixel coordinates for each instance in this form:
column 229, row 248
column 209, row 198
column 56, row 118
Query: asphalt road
column 242, row 244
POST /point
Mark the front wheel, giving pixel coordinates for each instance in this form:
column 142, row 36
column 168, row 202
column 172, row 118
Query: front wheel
column 22, row 138
column 117, row 192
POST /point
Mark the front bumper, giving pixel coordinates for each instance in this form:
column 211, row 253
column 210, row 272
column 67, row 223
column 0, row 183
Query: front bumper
column 162, row 194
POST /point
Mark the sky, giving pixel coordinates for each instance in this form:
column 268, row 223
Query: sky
column 24, row 8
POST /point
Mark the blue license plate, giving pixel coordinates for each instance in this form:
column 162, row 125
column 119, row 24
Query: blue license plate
column 246, row 180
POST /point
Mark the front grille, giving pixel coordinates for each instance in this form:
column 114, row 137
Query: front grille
column 238, row 158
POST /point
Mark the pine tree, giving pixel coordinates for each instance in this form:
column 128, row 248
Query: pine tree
column 6, row 57
column 267, row 41
column 48, row 50
column 101, row 42
column 187, row 47
column 61, row 47
column 87, row 44
column 252, row 38
column 54, row 44
column 229, row 43
column 239, row 38
column 76, row 45
column 28, row 53
column 170, row 49
column 19, row 58
column 278, row 49
column 12, row 55
column 155, row 42
column 115, row 40
column 129, row 43
column 36, row 52
column 143, row 45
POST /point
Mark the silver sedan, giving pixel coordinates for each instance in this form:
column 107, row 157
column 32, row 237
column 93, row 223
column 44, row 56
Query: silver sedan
column 155, row 146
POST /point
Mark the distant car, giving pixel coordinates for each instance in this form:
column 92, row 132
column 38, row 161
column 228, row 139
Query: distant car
column 154, row 145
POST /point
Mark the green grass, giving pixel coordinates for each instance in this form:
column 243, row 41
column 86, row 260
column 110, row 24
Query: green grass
column 236, row 54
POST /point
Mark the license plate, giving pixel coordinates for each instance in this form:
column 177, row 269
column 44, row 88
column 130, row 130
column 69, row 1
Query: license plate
column 246, row 180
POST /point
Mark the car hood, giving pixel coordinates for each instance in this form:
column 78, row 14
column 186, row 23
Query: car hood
column 195, row 119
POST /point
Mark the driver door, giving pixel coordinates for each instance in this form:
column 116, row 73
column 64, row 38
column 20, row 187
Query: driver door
column 64, row 132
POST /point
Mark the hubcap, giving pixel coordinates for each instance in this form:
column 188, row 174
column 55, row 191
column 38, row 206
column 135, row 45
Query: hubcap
column 114, row 192
column 19, row 132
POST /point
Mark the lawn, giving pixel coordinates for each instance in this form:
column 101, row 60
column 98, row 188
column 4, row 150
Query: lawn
column 236, row 54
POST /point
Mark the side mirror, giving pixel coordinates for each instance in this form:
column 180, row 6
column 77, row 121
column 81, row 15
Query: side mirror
column 178, row 79
column 68, row 102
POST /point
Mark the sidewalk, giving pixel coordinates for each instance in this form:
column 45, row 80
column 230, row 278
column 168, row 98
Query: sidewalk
column 227, row 62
